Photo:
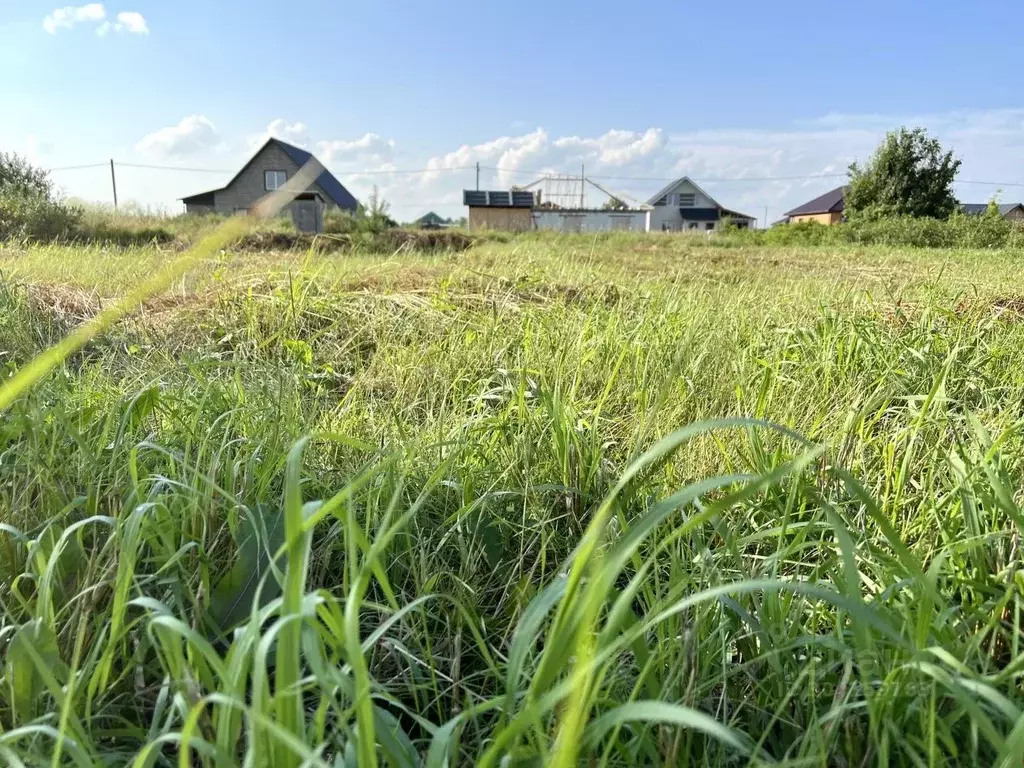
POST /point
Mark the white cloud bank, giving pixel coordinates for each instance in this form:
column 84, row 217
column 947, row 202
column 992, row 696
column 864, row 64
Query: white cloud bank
column 192, row 136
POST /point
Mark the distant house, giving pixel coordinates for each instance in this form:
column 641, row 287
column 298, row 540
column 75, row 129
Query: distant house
column 682, row 205
column 825, row 209
column 431, row 221
column 1009, row 211
column 268, row 170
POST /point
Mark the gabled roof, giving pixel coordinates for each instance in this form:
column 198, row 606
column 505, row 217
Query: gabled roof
column 667, row 188
column 830, row 202
column 333, row 188
column 976, row 209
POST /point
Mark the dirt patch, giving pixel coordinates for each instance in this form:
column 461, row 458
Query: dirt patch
column 1011, row 304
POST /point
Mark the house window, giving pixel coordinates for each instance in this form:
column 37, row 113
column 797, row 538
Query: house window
column 710, row 225
column 692, row 225
column 274, row 180
column 687, row 199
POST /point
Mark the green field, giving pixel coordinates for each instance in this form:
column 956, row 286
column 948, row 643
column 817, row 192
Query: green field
column 552, row 501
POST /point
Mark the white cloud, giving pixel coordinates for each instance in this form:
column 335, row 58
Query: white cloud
column 193, row 135
column 370, row 150
column 132, row 22
column 294, row 133
column 70, row 15
column 129, row 22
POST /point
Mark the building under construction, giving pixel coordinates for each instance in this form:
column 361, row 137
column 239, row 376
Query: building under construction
column 556, row 203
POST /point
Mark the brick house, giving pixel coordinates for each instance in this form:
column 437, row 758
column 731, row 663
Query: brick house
column 826, row 209
column 268, row 170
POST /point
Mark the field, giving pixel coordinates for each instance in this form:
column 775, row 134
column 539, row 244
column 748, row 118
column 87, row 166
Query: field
column 552, row 501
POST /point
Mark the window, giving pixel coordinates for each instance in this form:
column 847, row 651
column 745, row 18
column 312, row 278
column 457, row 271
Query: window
column 692, row 225
column 687, row 199
column 274, row 180
column 710, row 225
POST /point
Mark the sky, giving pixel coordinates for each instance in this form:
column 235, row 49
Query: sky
column 762, row 104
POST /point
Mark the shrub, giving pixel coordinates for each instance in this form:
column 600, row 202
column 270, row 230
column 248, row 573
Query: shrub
column 31, row 217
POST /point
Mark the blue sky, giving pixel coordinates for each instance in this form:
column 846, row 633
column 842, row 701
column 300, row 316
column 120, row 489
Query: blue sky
column 637, row 93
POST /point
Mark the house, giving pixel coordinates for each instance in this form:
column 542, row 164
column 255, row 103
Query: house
column 499, row 209
column 519, row 210
column 1009, row 211
column 825, row 209
column 682, row 205
column 268, row 170
column 431, row 221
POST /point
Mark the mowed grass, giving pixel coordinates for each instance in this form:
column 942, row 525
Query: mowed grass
column 552, row 501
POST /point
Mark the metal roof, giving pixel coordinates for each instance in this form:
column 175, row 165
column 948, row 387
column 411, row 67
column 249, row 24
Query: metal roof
column 830, row 202
column 497, row 198
column 976, row 209
column 333, row 188
column 326, row 181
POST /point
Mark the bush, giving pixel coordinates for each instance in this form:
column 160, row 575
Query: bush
column 959, row 231
column 31, row 217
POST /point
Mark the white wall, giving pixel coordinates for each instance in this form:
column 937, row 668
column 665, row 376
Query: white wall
column 592, row 221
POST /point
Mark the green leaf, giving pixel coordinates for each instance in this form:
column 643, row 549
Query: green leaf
column 667, row 714
column 232, row 597
column 22, row 674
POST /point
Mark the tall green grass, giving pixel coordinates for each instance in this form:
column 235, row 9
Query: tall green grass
column 553, row 509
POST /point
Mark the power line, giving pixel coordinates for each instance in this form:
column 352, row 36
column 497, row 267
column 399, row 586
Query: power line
column 78, row 167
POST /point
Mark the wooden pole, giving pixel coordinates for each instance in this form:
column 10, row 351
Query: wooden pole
column 113, row 182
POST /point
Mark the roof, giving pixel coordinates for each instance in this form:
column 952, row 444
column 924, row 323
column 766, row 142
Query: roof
column 976, row 209
column 665, row 190
column 333, row 188
column 497, row 198
column 830, row 202
column 736, row 215
column 203, row 198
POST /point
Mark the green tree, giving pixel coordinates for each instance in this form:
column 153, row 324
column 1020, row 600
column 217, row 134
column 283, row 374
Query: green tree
column 908, row 175
column 19, row 177
column 614, row 204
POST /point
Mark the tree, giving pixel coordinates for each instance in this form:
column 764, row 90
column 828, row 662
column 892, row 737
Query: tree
column 908, row 175
column 21, row 178
column 614, row 204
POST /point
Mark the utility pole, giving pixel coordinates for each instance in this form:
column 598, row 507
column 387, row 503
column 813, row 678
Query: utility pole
column 113, row 182
column 477, row 175
column 766, row 217
column 583, row 186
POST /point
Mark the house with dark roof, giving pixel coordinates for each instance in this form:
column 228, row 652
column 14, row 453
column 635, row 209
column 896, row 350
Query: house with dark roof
column 268, row 170
column 431, row 220
column 682, row 205
column 1009, row 211
column 824, row 209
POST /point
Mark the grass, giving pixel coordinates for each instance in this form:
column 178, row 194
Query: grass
column 556, row 501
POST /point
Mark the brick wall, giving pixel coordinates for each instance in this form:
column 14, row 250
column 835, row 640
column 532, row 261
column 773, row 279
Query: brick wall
column 250, row 187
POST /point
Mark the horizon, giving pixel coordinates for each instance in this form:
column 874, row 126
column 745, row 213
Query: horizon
column 770, row 118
